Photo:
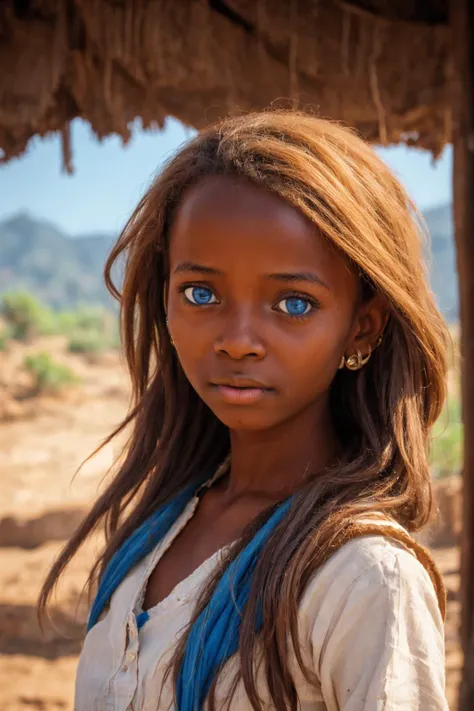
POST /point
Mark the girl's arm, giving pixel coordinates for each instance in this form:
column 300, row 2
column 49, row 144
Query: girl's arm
column 382, row 647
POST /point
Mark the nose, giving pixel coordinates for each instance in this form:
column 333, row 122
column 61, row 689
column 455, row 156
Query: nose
column 239, row 338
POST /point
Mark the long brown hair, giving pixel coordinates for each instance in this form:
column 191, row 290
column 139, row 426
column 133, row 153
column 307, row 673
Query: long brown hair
column 383, row 412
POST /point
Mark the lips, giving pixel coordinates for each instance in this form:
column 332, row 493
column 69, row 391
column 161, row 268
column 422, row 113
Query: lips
column 240, row 391
column 238, row 382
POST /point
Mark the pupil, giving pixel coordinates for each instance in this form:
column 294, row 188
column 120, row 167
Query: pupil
column 202, row 296
column 296, row 306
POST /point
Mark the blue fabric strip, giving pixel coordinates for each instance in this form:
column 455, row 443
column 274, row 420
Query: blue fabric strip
column 142, row 618
column 135, row 548
column 214, row 637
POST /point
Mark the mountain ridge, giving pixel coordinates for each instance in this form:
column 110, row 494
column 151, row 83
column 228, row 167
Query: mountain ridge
column 61, row 270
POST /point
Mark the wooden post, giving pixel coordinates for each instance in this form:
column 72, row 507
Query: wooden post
column 462, row 49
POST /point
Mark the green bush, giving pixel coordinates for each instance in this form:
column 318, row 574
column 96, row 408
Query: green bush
column 48, row 375
column 446, row 454
column 90, row 330
column 82, row 319
column 115, row 341
column 5, row 336
column 87, row 342
column 91, row 319
column 26, row 316
column 66, row 322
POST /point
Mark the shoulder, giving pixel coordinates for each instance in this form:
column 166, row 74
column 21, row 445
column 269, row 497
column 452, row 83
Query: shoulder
column 377, row 558
column 370, row 570
column 370, row 627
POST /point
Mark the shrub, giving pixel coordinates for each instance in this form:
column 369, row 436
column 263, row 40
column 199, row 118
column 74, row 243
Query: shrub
column 90, row 330
column 114, row 340
column 5, row 335
column 83, row 319
column 91, row 319
column 26, row 316
column 446, row 453
column 87, row 342
column 48, row 375
column 66, row 322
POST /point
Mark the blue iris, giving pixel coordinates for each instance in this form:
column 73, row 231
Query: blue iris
column 296, row 306
column 199, row 295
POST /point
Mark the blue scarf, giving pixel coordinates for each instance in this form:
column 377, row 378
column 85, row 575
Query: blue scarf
column 214, row 637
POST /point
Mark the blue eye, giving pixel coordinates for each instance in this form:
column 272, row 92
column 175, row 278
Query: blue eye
column 295, row 306
column 200, row 295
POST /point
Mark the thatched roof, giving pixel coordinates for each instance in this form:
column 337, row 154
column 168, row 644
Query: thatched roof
column 110, row 61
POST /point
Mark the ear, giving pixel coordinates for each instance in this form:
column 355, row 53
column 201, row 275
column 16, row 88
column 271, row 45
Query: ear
column 370, row 322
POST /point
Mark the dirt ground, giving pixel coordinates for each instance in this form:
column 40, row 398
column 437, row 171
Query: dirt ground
column 42, row 443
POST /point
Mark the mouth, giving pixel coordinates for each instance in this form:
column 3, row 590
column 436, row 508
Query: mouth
column 241, row 392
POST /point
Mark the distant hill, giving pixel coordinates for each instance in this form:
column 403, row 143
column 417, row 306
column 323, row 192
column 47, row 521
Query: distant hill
column 443, row 270
column 60, row 270
column 65, row 271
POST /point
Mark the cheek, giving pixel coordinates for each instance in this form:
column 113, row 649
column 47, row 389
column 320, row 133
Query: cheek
column 186, row 328
column 193, row 350
column 312, row 369
column 311, row 360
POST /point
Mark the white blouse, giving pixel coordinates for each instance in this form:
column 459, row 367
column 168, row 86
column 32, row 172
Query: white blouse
column 369, row 626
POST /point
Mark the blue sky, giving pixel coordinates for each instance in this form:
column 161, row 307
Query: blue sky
column 109, row 179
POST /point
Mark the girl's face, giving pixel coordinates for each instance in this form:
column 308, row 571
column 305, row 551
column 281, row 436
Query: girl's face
column 260, row 308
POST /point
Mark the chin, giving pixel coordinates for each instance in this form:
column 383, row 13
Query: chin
column 246, row 421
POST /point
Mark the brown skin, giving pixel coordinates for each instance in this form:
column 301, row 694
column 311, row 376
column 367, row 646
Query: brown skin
column 237, row 235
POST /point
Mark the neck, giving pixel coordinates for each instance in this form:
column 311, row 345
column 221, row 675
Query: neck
column 274, row 463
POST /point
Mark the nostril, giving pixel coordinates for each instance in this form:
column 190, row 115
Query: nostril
column 239, row 353
column 238, row 343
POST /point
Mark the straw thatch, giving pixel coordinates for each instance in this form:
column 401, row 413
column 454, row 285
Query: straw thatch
column 110, row 61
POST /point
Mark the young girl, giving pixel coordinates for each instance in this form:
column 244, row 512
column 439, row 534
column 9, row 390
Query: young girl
column 287, row 363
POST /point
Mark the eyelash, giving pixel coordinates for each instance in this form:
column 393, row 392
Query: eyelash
column 315, row 304
column 291, row 295
column 182, row 288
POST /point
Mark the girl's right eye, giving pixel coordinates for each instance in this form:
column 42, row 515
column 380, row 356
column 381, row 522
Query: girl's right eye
column 200, row 295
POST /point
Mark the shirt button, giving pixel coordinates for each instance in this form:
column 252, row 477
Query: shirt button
column 131, row 655
column 125, row 668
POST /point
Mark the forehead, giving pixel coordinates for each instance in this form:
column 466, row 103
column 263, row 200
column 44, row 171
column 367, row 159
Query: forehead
column 224, row 219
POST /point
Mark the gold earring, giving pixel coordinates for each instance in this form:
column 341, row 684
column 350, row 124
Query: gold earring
column 356, row 361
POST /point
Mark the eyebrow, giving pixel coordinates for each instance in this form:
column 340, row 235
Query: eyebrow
column 288, row 277
column 200, row 268
column 298, row 276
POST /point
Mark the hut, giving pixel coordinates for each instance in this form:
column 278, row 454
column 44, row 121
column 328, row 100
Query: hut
column 398, row 70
